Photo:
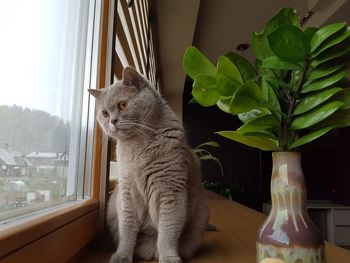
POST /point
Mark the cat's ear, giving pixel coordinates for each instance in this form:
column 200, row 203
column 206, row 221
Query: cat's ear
column 97, row 93
column 132, row 78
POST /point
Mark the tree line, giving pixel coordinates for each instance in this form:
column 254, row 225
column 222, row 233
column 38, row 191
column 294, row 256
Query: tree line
column 27, row 130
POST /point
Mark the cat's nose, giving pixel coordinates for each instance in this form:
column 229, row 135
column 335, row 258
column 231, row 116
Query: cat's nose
column 114, row 121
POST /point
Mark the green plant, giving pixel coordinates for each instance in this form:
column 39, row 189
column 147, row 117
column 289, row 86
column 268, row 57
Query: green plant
column 218, row 188
column 204, row 154
column 296, row 92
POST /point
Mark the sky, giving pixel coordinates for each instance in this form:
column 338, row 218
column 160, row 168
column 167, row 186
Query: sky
column 38, row 40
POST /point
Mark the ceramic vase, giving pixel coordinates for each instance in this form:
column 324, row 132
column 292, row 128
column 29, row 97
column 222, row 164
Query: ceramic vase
column 288, row 234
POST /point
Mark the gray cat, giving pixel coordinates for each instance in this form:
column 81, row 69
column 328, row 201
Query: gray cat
column 158, row 209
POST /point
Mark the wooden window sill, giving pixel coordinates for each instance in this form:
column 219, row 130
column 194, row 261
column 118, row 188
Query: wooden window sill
column 28, row 238
column 235, row 240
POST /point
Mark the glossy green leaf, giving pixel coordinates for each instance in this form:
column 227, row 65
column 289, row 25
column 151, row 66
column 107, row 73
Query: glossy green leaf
column 269, row 95
column 275, row 82
column 313, row 100
column 289, row 44
column 260, row 45
column 323, row 70
column 261, row 123
column 194, row 63
column 332, row 41
column 310, row 137
column 344, row 96
column 252, row 114
column 326, row 81
column 286, row 16
column 336, row 51
column 245, row 68
column 246, row 98
column 224, row 104
column 263, row 133
column 316, row 115
column 258, row 64
column 252, row 141
column 276, row 63
column 297, row 75
column 339, row 119
column 205, row 90
column 228, row 77
column 323, row 33
column 310, row 32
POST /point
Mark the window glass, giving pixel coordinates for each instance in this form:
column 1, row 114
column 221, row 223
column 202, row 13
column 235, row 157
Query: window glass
column 42, row 65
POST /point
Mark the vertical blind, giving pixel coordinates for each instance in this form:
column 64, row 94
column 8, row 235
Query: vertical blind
column 134, row 42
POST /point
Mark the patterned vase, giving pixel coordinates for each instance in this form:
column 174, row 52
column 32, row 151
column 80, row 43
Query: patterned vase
column 288, row 234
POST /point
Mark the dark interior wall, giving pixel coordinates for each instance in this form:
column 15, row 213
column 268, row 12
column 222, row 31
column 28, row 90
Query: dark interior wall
column 247, row 171
column 337, row 158
column 326, row 167
column 241, row 164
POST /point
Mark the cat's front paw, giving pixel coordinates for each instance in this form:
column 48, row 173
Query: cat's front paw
column 118, row 258
column 170, row 260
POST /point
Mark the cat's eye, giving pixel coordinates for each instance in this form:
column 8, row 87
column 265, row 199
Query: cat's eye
column 105, row 114
column 122, row 105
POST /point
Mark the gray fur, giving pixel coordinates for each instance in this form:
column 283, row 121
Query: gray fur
column 158, row 209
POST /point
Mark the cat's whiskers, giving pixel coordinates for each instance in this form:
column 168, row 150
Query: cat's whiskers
column 139, row 130
column 142, row 124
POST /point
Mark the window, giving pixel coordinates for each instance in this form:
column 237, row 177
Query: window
column 45, row 118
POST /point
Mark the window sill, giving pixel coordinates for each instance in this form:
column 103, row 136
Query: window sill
column 26, row 235
column 233, row 243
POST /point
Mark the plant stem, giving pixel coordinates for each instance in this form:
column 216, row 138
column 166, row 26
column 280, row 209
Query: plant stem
column 293, row 102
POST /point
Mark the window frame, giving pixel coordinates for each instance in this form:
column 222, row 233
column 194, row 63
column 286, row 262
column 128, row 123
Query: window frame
column 57, row 230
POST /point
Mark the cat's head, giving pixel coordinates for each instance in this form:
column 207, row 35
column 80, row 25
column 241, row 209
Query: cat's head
column 127, row 108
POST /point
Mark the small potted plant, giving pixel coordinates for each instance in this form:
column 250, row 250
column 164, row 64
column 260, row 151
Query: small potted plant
column 295, row 93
